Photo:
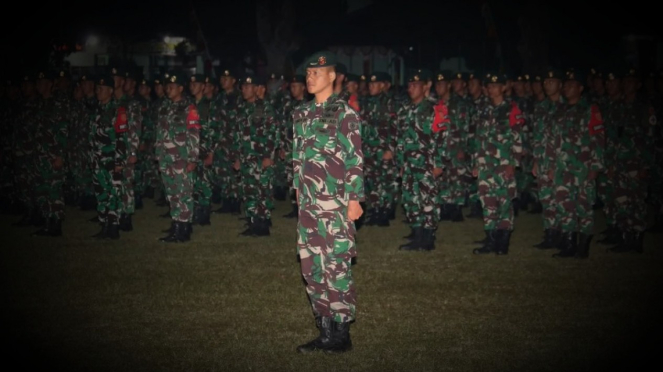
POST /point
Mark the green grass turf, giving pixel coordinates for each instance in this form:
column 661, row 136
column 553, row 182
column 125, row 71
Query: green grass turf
column 228, row 303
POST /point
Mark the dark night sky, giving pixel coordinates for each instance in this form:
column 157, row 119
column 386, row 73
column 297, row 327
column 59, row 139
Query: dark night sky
column 576, row 28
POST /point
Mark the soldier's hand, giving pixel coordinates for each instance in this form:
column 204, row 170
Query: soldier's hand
column 266, row 163
column 509, row 170
column 475, row 172
column 190, row 167
column 388, row 155
column 354, row 210
column 209, row 159
column 57, row 163
column 236, row 165
column 132, row 159
column 437, row 172
column 460, row 156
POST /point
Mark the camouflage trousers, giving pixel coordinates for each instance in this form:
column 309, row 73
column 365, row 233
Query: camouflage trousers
column 290, row 178
column 471, row 183
column 605, row 188
column 145, row 173
column 280, row 174
column 226, row 178
column 452, row 183
column 545, row 193
column 108, row 188
column 178, row 184
column 326, row 245
column 420, row 191
column 630, row 202
column 128, row 194
column 574, row 196
column 49, row 189
column 202, row 190
column 384, row 185
column 524, row 180
column 24, row 184
column 257, row 188
column 496, row 191
column 369, row 181
column 81, row 172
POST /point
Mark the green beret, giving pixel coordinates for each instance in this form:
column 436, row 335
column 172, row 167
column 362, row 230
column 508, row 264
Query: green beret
column 610, row 75
column 321, row 59
column 536, row 77
column 86, row 77
column 422, row 75
column 157, row 81
column 379, row 76
column 197, row 78
column 276, row 76
column 494, row 78
column 553, row 74
column 228, row 72
column 299, row 78
column 474, row 75
column 631, row 72
column 105, row 81
column 522, row 78
column 460, row 76
column 134, row 74
column 145, row 82
column 252, row 79
column 445, row 75
column 63, row 73
column 28, row 78
column 176, row 77
column 209, row 79
column 47, row 75
column 362, row 77
column 117, row 71
column 575, row 75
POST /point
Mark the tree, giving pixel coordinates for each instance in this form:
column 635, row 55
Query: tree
column 276, row 32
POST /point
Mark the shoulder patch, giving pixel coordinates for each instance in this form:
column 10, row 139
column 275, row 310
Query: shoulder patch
column 121, row 122
column 516, row 116
column 192, row 118
column 595, row 120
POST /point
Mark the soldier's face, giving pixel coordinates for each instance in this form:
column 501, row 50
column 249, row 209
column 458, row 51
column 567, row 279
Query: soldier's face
column 174, row 91
column 27, row 89
column 352, row 87
column 597, row 83
column 249, row 92
column 495, row 90
column 158, row 90
column 144, row 90
column 44, row 86
column 196, row 88
column 319, row 79
column 537, row 88
column 458, row 86
column 519, row 88
column 474, row 87
column 88, row 87
column 297, row 90
column 129, row 85
column 631, row 85
column 572, row 90
column 375, row 88
column 552, row 86
column 103, row 93
column 416, row 90
column 363, row 86
column 78, row 93
column 528, row 88
column 227, row 82
column 441, row 88
column 260, row 91
column 613, row 87
column 208, row 90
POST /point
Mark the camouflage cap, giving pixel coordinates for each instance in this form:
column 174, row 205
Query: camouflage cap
column 105, row 81
column 444, row 75
column 321, row 59
column 352, row 77
column 494, row 78
column 197, row 78
column 63, row 73
column 298, row 78
column 575, row 75
column 176, row 77
column 553, row 73
column 379, row 76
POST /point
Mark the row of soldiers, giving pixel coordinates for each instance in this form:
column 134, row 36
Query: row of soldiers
column 494, row 142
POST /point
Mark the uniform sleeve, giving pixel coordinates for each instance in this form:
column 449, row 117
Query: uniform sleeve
column 401, row 118
column 272, row 131
column 135, row 119
column 596, row 139
column 193, row 133
column 393, row 126
column 353, row 157
column 297, row 154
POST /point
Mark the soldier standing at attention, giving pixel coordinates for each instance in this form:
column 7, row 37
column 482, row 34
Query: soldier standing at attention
column 297, row 91
column 202, row 190
column 329, row 183
column 177, row 148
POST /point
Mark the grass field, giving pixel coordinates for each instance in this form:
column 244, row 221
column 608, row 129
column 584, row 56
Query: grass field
column 228, row 303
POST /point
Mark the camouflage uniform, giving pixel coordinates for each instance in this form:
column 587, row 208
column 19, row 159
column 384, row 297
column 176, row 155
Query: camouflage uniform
column 524, row 176
column 287, row 133
column 130, row 108
column 478, row 104
column 498, row 148
column 227, row 180
column 144, row 169
column 202, row 191
column 23, row 139
column 177, row 145
column 79, row 155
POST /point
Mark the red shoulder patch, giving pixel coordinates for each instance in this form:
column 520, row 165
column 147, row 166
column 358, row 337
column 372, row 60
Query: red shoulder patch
column 595, row 121
column 354, row 102
column 193, row 119
column 121, row 121
column 516, row 116
column 441, row 117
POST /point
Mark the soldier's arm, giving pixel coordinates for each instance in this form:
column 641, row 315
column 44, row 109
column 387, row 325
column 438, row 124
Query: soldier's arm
column 193, row 133
column 205, row 130
column 349, row 138
column 596, row 133
column 400, row 146
column 297, row 152
column 271, row 133
column 135, row 119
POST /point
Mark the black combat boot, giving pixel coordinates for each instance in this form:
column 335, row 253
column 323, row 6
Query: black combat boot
column 103, row 234
column 445, row 212
column 476, row 210
column 392, row 212
column 225, row 206
column 113, row 231
column 428, row 240
column 125, row 222
column 280, row 193
column 170, row 229
column 340, row 339
column 294, row 213
column 457, row 214
column 417, row 241
column 383, row 217
column 537, row 208
column 639, row 241
column 547, row 242
column 372, row 217
column 149, row 192
column 502, row 245
column 261, row 227
column 324, row 339
column 53, row 228
column 485, row 240
column 491, row 243
column 236, row 207
column 37, row 218
column 90, row 202
column 139, row 201
column 412, row 234
column 177, row 234
column 525, row 199
column 204, row 217
column 196, row 214
column 251, row 227
column 611, row 235
column 216, row 196
column 583, row 245
column 569, row 245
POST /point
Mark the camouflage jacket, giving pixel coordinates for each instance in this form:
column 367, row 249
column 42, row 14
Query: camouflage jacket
column 227, row 104
column 380, row 114
column 207, row 135
column 327, row 155
column 79, row 130
column 256, row 133
column 24, row 132
column 52, row 121
column 613, row 121
column 457, row 114
column 635, row 137
column 287, row 131
column 178, row 132
column 133, row 111
column 421, row 137
column 546, row 114
column 579, row 137
column 498, row 140
column 108, row 136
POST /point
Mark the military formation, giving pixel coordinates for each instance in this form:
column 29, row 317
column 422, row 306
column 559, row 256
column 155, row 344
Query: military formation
column 560, row 143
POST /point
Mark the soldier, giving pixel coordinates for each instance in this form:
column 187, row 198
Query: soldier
column 633, row 163
column 578, row 140
column 339, row 83
column 297, row 91
column 52, row 116
column 420, row 153
column 455, row 111
column 108, row 139
column 160, row 102
column 479, row 101
column 90, row 102
column 177, row 148
column 498, row 152
column 146, row 165
column 380, row 115
column 202, row 190
column 546, row 115
column 327, row 147
column 524, row 177
column 79, row 155
column 255, row 140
